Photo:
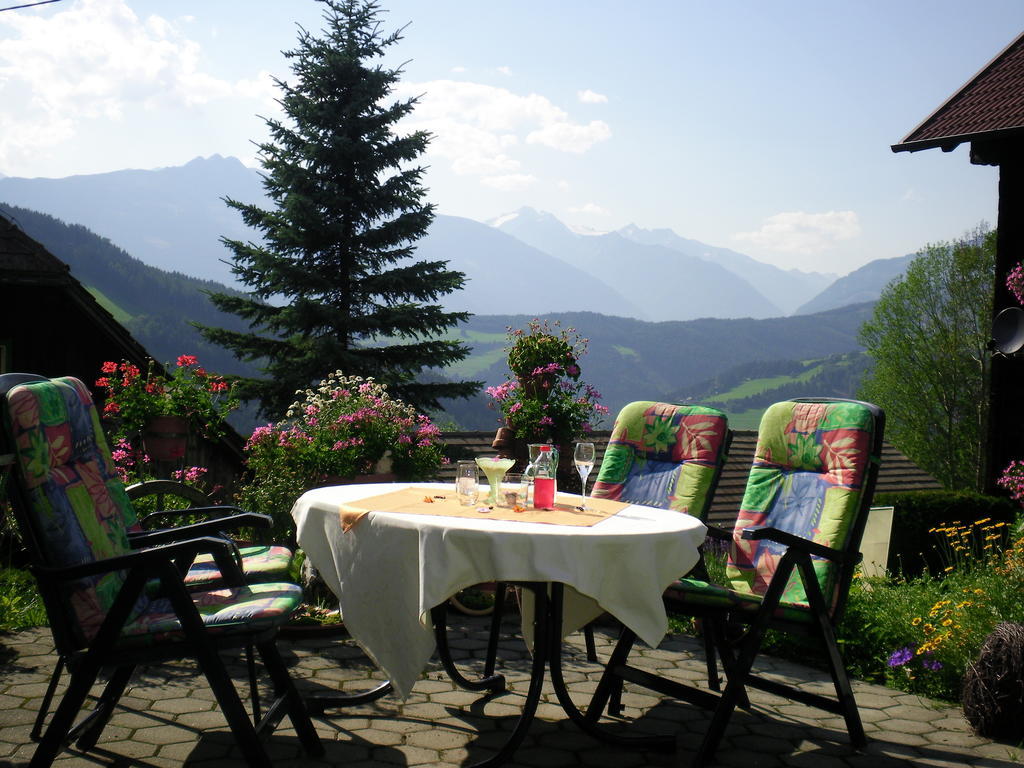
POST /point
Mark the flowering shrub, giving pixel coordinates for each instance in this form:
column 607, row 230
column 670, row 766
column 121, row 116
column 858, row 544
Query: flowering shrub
column 546, row 401
column 133, row 399
column 345, row 427
column 980, row 587
column 1015, row 282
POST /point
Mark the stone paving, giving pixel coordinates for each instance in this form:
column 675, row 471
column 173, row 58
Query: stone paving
column 168, row 716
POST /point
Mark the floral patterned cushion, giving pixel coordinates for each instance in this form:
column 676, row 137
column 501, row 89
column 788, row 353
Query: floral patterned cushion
column 259, row 563
column 78, row 506
column 251, row 608
column 807, row 478
column 664, row 456
column 81, row 513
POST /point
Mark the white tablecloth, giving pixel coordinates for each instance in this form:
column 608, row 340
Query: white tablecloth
column 391, row 568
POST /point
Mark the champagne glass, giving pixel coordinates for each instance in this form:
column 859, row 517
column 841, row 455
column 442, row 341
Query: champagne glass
column 584, row 458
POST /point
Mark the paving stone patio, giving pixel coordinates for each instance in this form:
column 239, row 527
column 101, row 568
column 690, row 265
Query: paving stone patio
column 168, row 716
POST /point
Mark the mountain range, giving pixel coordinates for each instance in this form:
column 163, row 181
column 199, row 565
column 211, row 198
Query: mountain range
column 524, row 262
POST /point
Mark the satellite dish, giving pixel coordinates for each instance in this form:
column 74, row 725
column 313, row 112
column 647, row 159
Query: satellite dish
column 1008, row 331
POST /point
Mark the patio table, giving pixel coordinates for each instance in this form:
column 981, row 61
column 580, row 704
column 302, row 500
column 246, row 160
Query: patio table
column 394, row 570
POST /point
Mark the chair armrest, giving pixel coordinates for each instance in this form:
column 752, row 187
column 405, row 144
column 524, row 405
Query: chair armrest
column 716, row 532
column 138, row 558
column 759, row 533
column 204, row 528
column 227, row 516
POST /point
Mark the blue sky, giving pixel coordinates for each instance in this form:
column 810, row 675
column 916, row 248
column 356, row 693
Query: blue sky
column 759, row 126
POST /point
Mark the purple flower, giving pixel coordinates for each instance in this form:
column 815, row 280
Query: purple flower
column 901, row 657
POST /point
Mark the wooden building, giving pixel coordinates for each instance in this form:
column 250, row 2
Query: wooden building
column 50, row 324
column 988, row 112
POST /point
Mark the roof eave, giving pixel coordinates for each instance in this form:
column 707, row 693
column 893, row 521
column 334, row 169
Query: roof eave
column 949, row 143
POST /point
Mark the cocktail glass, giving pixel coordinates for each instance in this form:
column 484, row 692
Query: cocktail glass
column 494, row 467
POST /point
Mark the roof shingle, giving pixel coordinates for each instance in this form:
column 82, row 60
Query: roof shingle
column 989, row 106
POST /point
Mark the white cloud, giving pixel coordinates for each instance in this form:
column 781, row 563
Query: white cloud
column 479, row 129
column 590, row 97
column 590, row 209
column 507, row 71
column 803, row 233
column 92, row 60
column 570, row 137
column 510, row 182
column 458, row 70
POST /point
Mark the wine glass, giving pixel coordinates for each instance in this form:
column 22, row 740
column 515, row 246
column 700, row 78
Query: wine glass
column 584, row 458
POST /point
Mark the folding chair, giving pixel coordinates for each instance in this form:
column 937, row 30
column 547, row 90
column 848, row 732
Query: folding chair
column 97, row 582
column 793, row 555
column 659, row 454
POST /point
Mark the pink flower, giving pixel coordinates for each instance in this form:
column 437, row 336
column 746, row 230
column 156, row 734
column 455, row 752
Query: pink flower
column 184, row 360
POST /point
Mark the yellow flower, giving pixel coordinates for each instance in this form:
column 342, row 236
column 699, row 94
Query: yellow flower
column 946, row 622
column 916, row 621
column 928, row 629
column 949, row 568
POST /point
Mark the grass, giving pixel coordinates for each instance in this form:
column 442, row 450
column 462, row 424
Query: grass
column 20, row 604
column 757, row 386
column 112, row 307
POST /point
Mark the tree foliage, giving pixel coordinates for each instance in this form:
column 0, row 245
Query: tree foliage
column 927, row 340
column 333, row 283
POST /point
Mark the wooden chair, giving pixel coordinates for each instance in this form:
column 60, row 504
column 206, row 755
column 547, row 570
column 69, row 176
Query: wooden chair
column 116, row 601
column 794, row 550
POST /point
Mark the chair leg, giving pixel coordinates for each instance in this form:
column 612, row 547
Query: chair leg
column 52, row 739
column 609, row 687
column 296, row 708
column 93, row 727
column 231, row 705
column 44, row 706
column 588, row 637
column 844, row 691
column 254, row 691
column 710, row 657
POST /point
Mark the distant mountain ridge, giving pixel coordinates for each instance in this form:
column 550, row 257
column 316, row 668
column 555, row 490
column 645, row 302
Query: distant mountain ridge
column 628, row 359
column 785, row 288
column 173, row 218
column 667, row 283
column 864, row 284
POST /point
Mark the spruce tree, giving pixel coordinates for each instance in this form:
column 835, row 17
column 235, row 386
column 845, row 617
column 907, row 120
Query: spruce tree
column 333, row 284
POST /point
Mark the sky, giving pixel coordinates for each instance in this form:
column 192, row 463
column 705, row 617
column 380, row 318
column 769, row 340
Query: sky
column 763, row 126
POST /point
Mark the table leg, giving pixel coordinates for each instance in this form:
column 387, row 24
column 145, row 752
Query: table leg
column 542, row 650
column 316, row 703
column 585, row 723
column 490, row 682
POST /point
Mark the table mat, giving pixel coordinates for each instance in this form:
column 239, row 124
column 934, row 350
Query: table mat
column 436, row 501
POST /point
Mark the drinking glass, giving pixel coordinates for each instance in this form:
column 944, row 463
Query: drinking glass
column 513, row 491
column 494, row 467
column 584, row 459
column 466, row 482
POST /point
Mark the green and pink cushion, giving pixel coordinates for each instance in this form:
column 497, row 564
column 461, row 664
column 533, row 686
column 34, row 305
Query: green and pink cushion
column 664, row 456
column 78, row 505
column 807, row 479
column 254, row 607
column 260, row 562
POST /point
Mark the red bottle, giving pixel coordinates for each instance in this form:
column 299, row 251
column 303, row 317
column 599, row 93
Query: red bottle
column 544, row 480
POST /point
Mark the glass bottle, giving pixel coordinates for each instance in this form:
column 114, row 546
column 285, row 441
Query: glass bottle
column 544, row 479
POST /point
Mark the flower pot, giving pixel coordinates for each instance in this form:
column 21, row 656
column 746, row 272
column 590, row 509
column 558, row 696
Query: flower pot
column 165, row 438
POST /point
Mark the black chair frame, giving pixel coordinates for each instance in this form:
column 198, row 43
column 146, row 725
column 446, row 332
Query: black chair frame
column 737, row 635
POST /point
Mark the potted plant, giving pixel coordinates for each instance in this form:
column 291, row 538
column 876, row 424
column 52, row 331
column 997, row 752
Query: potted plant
column 544, row 400
column 161, row 408
column 346, row 429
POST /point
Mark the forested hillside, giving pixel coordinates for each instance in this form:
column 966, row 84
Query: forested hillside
column 156, row 306
column 704, row 360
